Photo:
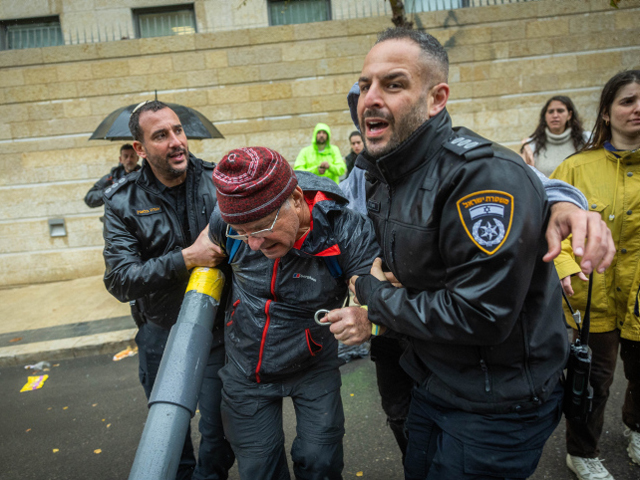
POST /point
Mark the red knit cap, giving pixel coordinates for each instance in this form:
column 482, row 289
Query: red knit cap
column 251, row 183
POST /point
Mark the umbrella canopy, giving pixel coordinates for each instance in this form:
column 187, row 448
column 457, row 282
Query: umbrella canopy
column 116, row 125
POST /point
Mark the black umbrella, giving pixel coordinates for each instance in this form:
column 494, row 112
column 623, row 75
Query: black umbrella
column 116, row 125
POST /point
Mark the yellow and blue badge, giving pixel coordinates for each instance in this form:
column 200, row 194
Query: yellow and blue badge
column 486, row 217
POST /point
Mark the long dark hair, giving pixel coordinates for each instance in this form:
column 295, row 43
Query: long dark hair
column 601, row 131
column 539, row 136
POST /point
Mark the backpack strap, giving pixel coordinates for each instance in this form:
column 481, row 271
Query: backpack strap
column 232, row 246
column 333, row 266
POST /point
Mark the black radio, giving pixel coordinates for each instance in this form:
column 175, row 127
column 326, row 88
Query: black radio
column 578, row 394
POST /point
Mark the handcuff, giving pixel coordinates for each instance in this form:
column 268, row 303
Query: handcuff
column 320, row 314
column 375, row 329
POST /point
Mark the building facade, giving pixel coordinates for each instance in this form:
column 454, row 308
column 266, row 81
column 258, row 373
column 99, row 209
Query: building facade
column 260, row 85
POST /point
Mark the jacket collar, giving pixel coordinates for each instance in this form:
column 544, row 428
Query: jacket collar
column 412, row 153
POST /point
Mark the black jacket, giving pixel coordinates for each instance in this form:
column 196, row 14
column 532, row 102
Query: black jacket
column 270, row 331
column 144, row 239
column 93, row 198
column 461, row 222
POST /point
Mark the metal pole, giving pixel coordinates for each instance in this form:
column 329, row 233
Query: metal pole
column 175, row 392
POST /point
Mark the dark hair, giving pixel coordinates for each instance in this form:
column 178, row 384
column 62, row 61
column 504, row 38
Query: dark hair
column 601, row 131
column 126, row 146
column 429, row 45
column 539, row 136
column 354, row 133
column 134, row 119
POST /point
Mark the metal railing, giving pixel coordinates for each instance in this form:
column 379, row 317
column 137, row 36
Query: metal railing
column 180, row 25
column 30, row 36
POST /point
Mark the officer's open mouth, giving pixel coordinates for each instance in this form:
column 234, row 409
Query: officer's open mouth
column 375, row 126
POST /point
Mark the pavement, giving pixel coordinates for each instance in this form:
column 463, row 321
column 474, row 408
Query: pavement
column 62, row 320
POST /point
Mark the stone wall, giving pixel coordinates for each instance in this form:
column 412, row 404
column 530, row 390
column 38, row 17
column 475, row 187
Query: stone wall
column 268, row 86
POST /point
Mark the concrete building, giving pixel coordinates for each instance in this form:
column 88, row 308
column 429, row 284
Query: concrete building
column 259, row 84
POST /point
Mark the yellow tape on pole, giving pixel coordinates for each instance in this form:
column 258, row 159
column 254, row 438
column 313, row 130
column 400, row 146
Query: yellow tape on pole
column 208, row 281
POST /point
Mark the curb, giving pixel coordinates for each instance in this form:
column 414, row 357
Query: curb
column 66, row 348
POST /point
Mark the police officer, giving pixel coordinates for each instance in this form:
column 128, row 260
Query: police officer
column 479, row 306
column 155, row 233
column 127, row 163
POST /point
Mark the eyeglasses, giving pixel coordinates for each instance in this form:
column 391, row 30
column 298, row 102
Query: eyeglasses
column 258, row 234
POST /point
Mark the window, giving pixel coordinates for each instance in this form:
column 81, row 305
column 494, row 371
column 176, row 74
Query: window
column 415, row 6
column 164, row 21
column 286, row 12
column 30, row 33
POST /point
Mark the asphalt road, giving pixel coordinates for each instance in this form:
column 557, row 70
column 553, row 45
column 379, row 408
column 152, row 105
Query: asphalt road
column 86, row 420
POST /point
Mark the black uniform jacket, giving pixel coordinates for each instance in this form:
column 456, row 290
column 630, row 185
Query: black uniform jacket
column 93, row 198
column 144, row 239
column 461, row 222
column 270, row 330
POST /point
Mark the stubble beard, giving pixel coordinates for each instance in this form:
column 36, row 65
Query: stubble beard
column 163, row 164
column 401, row 130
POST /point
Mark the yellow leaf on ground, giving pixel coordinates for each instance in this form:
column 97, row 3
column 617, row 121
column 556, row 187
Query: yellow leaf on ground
column 94, row 404
column 353, row 394
column 97, row 451
column 65, row 408
column 28, row 430
column 108, row 425
column 360, row 474
column 56, row 450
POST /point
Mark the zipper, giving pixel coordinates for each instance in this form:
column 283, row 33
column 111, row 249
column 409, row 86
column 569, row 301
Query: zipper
column 485, row 369
column 268, row 318
column 233, row 312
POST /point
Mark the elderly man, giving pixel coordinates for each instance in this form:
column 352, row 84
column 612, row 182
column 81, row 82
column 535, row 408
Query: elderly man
column 479, row 307
column 155, row 233
column 292, row 245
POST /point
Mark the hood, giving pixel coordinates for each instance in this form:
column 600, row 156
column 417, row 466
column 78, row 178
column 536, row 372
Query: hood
column 318, row 127
column 328, row 200
column 310, row 182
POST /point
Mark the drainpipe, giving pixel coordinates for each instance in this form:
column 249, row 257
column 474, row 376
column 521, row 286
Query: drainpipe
column 175, row 392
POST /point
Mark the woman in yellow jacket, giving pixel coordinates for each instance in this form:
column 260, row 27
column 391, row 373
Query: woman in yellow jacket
column 607, row 171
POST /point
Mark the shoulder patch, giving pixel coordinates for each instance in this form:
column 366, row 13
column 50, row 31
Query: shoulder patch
column 486, row 217
column 116, row 185
column 463, row 144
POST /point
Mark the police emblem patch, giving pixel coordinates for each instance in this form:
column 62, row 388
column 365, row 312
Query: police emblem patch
column 486, row 217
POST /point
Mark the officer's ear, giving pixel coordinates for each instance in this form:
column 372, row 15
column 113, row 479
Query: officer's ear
column 437, row 99
column 137, row 146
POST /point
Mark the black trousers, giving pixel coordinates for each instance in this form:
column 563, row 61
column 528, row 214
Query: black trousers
column 394, row 385
column 252, row 416
column 446, row 443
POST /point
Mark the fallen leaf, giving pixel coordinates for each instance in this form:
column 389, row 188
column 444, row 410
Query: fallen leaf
column 28, row 430
column 108, row 425
column 56, row 450
column 97, row 450
column 56, row 364
column 359, row 474
column 64, row 408
column 50, row 408
column 94, row 405
column 103, row 419
column 353, row 394
column 14, row 340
